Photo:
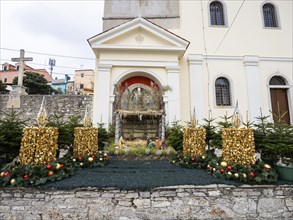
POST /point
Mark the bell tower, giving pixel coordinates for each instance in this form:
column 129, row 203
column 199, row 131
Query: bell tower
column 161, row 12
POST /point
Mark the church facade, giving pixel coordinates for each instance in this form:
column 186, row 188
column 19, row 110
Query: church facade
column 210, row 54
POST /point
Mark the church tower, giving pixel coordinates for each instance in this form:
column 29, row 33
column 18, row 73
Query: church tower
column 161, row 12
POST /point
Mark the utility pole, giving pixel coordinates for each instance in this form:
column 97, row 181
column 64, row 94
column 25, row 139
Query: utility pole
column 52, row 63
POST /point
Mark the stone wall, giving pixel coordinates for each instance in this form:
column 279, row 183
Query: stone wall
column 184, row 202
column 66, row 105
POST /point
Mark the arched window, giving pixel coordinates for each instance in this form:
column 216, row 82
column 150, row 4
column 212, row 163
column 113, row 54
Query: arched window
column 223, row 95
column 217, row 13
column 277, row 81
column 270, row 15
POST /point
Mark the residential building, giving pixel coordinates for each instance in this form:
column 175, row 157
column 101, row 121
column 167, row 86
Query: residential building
column 9, row 72
column 84, row 81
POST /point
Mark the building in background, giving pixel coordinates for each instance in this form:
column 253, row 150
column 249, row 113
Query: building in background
column 70, row 87
column 84, row 82
column 61, row 84
column 9, row 72
column 211, row 54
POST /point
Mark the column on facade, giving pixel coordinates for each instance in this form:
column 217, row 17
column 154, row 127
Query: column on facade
column 196, row 86
column 253, row 86
column 112, row 100
column 101, row 109
column 163, row 127
column 117, row 127
column 174, row 94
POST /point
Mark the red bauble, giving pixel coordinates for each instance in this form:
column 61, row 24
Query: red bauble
column 229, row 167
column 5, row 174
column 93, row 156
column 49, row 167
column 193, row 159
column 79, row 158
column 179, row 158
column 222, row 170
column 252, row 174
column 61, row 165
column 25, row 176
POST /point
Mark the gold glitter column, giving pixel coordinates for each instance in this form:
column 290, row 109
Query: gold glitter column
column 85, row 141
column 194, row 141
column 238, row 146
column 38, row 145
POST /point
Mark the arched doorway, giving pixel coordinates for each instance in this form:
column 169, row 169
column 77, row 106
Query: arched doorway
column 139, row 109
column 279, row 99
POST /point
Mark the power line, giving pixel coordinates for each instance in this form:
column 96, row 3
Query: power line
column 48, row 54
column 206, row 53
column 68, row 67
column 229, row 27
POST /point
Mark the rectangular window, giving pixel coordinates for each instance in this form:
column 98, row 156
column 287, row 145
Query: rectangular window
column 81, row 86
column 82, row 75
column 5, row 80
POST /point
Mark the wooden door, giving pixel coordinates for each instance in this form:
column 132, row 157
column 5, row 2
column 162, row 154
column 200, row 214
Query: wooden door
column 280, row 104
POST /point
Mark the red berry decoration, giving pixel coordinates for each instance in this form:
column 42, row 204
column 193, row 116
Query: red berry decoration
column 252, row 174
column 193, row 159
column 93, row 156
column 229, row 167
column 222, row 170
column 49, row 167
column 179, row 158
column 61, row 165
column 79, row 158
column 25, row 176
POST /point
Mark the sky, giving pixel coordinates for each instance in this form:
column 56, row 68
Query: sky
column 50, row 29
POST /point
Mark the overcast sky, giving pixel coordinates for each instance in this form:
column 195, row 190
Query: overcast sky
column 50, row 27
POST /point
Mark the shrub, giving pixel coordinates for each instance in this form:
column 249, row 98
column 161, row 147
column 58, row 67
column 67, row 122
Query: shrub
column 65, row 128
column 103, row 136
column 10, row 135
column 174, row 136
column 274, row 140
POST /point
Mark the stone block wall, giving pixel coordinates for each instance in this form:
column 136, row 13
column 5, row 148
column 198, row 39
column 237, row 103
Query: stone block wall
column 66, row 105
column 182, row 202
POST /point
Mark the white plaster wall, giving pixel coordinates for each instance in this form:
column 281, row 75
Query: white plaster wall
column 159, row 57
column 247, row 36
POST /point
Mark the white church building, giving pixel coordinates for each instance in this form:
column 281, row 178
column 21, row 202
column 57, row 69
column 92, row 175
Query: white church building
column 211, row 54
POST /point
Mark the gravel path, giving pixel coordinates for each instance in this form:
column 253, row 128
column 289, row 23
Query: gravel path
column 137, row 175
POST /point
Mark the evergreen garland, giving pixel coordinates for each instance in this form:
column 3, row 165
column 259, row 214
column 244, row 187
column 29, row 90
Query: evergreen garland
column 13, row 174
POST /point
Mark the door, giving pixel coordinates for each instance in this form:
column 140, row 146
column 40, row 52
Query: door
column 280, row 106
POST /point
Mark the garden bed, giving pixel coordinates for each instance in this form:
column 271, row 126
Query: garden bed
column 129, row 174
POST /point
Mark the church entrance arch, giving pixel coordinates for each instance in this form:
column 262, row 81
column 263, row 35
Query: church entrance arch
column 279, row 99
column 139, row 109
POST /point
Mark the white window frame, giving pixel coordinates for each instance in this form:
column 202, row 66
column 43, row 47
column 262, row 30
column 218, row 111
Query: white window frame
column 277, row 15
column 231, row 92
column 224, row 11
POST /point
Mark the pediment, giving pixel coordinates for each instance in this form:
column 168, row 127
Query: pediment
column 138, row 34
